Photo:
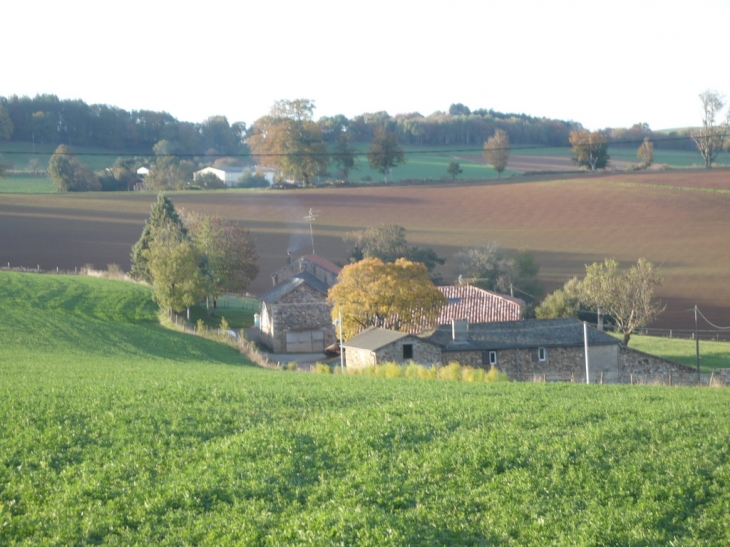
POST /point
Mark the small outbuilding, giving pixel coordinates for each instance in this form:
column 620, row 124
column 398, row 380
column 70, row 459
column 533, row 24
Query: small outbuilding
column 375, row 345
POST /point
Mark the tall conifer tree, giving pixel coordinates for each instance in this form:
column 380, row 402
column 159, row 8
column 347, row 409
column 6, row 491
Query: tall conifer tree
column 163, row 211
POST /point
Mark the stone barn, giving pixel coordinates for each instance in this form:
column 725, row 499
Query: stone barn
column 549, row 348
column 296, row 317
column 376, row 346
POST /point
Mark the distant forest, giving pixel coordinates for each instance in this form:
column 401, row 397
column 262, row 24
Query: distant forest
column 46, row 119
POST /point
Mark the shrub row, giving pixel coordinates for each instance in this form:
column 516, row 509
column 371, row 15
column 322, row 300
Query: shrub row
column 452, row 371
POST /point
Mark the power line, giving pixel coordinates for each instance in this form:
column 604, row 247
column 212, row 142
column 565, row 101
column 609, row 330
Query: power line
column 711, row 323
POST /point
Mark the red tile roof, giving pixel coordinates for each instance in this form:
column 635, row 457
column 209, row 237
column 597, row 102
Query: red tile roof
column 472, row 304
column 478, row 306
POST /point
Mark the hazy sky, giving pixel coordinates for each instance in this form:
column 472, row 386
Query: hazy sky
column 611, row 63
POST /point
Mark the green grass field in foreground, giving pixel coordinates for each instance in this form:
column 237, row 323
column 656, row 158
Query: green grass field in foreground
column 115, row 431
column 713, row 355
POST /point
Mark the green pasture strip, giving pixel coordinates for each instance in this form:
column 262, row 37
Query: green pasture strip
column 20, row 152
column 26, row 184
column 115, row 431
column 668, row 187
column 713, row 354
column 672, row 158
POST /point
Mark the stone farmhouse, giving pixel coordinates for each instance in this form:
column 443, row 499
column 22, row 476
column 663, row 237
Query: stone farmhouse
column 295, row 316
column 548, row 349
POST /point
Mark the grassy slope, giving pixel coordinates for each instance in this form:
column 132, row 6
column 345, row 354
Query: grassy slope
column 713, row 355
column 116, row 431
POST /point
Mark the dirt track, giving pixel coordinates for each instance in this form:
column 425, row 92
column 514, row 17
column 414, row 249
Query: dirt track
column 566, row 223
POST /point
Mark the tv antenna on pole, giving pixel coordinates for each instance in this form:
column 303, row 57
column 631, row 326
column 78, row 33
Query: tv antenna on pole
column 311, row 217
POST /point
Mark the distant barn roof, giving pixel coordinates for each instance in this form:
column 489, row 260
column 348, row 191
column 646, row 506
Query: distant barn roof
column 531, row 333
column 323, row 262
column 288, row 285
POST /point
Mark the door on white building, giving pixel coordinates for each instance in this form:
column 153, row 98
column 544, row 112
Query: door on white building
column 305, row 341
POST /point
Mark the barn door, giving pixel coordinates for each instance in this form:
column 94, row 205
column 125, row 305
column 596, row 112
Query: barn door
column 305, row 341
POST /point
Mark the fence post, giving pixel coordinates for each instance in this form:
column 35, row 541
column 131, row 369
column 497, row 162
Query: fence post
column 572, row 377
column 670, row 379
column 632, row 378
column 712, row 377
column 670, row 333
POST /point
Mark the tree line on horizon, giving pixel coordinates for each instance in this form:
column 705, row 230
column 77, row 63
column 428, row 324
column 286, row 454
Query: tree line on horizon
column 46, row 119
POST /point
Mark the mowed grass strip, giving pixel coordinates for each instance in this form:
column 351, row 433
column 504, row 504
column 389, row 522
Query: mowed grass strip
column 115, row 431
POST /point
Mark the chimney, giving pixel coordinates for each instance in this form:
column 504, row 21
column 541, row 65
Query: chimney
column 459, row 330
column 600, row 318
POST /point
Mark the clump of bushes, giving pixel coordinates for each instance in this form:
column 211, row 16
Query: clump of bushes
column 322, row 368
column 452, row 371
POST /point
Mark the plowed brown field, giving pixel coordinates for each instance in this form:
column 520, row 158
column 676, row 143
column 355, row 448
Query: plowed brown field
column 680, row 220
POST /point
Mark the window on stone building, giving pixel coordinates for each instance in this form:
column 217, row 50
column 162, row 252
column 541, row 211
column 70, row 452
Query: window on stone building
column 541, row 354
column 492, row 357
column 407, row 351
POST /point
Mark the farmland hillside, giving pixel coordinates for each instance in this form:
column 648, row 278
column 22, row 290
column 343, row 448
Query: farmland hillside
column 676, row 219
column 116, row 431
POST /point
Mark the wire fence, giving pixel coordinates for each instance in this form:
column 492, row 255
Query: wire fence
column 712, row 379
column 37, row 269
column 682, row 334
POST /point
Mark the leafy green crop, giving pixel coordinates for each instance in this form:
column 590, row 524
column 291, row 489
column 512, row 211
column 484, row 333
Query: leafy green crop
column 116, row 431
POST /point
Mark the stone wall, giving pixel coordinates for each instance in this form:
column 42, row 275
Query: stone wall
column 637, row 362
column 723, row 375
column 358, row 358
column 423, row 353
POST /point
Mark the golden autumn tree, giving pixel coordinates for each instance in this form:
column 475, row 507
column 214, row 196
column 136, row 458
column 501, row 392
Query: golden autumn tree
column 646, row 153
column 590, row 148
column 287, row 139
column 496, row 151
column 373, row 293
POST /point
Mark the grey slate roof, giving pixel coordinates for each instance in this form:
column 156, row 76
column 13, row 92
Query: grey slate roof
column 374, row 338
column 288, row 285
column 530, row 333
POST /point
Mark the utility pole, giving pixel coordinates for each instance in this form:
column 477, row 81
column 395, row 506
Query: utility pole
column 697, row 346
column 342, row 351
column 585, row 348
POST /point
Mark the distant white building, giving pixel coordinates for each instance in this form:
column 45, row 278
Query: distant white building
column 143, row 171
column 230, row 175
